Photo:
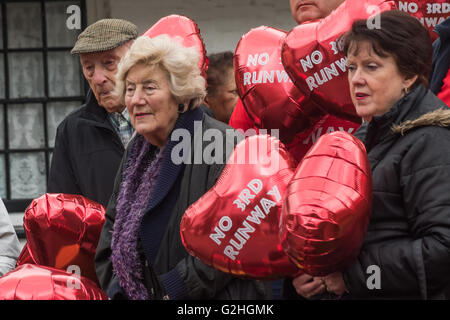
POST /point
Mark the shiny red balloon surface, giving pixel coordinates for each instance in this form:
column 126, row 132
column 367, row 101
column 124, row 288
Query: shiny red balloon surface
column 311, row 57
column 234, row 227
column 327, row 205
column 63, row 230
column 268, row 94
column 32, row 282
column 25, row 256
column 429, row 12
column 185, row 31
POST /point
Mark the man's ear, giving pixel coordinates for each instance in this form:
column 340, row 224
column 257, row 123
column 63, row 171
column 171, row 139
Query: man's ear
column 207, row 101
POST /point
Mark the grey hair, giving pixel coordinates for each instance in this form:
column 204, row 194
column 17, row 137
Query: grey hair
column 180, row 63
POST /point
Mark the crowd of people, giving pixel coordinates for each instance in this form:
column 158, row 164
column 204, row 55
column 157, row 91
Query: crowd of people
column 116, row 150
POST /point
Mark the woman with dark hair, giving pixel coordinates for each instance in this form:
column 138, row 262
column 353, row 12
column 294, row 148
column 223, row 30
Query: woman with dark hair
column 406, row 251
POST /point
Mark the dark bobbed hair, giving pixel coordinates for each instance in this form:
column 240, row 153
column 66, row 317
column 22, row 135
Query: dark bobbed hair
column 219, row 64
column 399, row 35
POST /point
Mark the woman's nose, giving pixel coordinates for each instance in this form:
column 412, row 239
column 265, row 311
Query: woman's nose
column 138, row 98
column 357, row 77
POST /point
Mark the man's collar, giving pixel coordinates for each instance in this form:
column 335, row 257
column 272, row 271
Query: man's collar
column 125, row 114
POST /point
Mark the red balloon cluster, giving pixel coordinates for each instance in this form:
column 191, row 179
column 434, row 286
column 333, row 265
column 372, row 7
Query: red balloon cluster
column 311, row 56
column 260, row 213
column 62, row 235
column 327, row 205
column 267, row 92
column 32, row 282
column 429, row 12
column 183, row 30
column 289, row 81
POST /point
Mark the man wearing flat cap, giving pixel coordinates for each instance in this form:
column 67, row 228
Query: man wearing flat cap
column 90, row 141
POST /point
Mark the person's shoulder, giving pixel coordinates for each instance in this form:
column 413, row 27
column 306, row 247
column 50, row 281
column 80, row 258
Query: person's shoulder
column 212, row 123
column 74, row 115
column 425, row 139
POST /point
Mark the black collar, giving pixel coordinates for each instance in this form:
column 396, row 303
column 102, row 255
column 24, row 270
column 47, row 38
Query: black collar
column 379, row 127
column 94, row 108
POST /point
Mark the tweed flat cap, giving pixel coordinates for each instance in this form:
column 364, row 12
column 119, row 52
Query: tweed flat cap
column 105, row 34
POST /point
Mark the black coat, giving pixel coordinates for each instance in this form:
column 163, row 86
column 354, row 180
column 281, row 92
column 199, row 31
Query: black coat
column 175, row 192
column 87, row 154
column 408, row 235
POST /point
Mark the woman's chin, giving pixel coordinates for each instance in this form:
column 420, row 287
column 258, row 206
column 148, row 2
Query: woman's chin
column 142, row 131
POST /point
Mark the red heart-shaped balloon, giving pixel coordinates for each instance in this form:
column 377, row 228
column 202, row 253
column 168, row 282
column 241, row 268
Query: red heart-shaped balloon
column 429, row 12
column 267, row 92
column 183, row 30
column 32, row 282
column 25, row 256
column 313, row 61
column 327, row 205
column 234, row 227
column 63, row 230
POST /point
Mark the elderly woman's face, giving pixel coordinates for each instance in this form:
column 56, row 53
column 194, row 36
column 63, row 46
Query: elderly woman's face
column 152, row 108
column 376, row 84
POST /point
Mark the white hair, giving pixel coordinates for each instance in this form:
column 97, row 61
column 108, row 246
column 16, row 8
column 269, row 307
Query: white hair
column 180, row 63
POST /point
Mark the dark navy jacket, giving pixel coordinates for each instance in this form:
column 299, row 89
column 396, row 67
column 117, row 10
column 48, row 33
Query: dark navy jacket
column 441, row 56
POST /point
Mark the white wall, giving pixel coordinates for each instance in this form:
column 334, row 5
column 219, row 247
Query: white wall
column 221, row 22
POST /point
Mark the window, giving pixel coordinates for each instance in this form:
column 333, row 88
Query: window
column 40, row 83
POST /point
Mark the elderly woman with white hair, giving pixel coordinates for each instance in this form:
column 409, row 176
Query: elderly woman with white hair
column 140, row 254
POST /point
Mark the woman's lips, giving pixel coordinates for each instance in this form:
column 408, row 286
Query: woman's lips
column 141, row 115
column 361, row 95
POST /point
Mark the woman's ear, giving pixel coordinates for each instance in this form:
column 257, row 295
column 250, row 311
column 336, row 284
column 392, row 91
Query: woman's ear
column 408, row 82
column 183, row 106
